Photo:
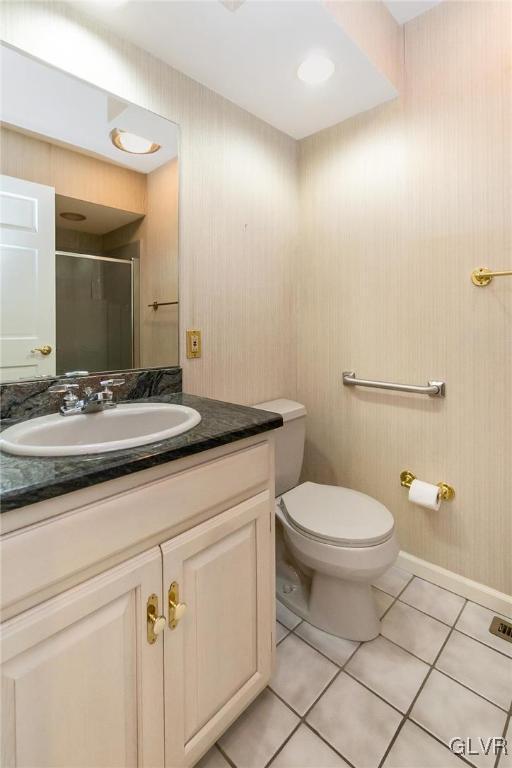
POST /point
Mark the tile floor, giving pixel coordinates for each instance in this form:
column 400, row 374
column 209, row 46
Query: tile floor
column 434, row 673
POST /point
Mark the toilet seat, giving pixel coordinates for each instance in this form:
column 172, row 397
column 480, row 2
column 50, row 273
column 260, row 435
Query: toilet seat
column 338, row 516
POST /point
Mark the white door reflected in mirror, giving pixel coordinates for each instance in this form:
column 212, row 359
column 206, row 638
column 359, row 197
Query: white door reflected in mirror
column 27, row 268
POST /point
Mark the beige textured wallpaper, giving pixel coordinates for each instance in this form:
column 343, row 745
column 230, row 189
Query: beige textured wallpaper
column 399, row 205
column 238, row 202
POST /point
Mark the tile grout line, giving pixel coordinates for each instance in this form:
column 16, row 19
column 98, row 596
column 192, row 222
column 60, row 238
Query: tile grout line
column 446, row 624
column 285, row 742
column 471, row 690
column 442, row 671
column 378, row 695
column 302, row 720
column 225, row 756
column 336, row 663
column 419, row 691
column 400, row 591
column 439, row 741
column 336, row 751
column 288, row 631
column 451, row 627
column 467, row 599
column 341, row 669
column 481, row 642
column 388, row 608
column 399, row 595
column 403, row 648
column 406, row 715
column 445, row 589
column 430, row 615
column 505, row 728
column 431, row 666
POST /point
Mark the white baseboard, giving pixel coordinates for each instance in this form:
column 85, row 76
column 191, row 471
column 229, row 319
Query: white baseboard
column 472, row 590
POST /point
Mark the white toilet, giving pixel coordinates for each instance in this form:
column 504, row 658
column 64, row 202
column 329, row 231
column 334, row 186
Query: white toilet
column 336, row 541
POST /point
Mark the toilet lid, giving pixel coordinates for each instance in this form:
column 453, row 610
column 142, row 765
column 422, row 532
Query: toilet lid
column 338, row 515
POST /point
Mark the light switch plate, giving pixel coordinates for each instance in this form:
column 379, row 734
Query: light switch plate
column 193, row 343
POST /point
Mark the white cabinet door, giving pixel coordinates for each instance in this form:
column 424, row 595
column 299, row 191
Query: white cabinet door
column 219, row 655
column 81, row 685
column 27, row 277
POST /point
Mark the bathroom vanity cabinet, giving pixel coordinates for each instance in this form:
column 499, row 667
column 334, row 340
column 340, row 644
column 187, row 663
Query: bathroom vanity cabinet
column 82, row 683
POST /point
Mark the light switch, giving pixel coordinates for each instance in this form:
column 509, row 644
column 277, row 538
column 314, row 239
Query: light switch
column 193, row 343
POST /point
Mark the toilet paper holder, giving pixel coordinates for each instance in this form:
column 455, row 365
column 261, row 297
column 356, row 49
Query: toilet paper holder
column 446, row 491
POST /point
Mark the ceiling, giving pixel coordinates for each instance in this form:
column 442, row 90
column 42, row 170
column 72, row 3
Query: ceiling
column 99, row 219
column 40, row 100
column 250, row 52
column 405, row 10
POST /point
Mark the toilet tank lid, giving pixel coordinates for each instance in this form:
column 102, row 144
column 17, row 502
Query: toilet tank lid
column 288, row 409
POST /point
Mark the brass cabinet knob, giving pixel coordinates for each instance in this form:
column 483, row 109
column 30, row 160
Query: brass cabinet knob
column 176, row 609
column 44, row 350
column 155, row 623
column 158, row 622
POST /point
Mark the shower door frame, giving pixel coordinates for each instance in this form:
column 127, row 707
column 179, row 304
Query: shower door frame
column 119, row 261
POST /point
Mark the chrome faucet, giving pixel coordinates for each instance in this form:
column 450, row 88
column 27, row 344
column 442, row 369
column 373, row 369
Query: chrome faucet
column 92, row 402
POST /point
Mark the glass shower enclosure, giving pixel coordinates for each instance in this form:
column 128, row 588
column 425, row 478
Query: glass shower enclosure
column 94, row 312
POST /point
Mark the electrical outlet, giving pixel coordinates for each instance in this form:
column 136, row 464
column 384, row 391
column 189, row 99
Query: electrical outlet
column 193, row 343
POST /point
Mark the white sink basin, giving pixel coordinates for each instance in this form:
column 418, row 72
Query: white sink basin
column 125, row 426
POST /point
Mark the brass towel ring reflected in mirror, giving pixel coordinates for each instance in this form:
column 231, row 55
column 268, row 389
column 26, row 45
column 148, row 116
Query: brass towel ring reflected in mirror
column 44, row 350
column 483, row 275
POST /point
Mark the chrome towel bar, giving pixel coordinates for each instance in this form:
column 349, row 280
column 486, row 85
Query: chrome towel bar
column 434, row 388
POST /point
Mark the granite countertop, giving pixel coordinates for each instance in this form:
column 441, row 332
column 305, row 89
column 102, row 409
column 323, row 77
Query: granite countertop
column 26, row 480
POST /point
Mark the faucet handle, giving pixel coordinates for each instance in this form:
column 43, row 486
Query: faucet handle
column 72, row 374
column 112, row 383
column 62, row 387
column 107, row 393
column 70, row 399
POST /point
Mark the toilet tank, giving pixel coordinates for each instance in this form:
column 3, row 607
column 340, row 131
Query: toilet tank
column 289, row 441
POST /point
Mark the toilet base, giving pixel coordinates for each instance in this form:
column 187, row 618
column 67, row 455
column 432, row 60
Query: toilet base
column 343, row 608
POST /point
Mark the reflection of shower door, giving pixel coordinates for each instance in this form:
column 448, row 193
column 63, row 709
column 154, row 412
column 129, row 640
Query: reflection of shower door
column 94, row 309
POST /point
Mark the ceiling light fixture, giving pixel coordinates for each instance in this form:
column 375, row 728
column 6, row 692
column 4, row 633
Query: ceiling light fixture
column 130, row 142
column 232, row 5
column 71, row 216
column 316, row 69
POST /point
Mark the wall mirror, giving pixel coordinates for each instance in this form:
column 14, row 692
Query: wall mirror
column 89, row 227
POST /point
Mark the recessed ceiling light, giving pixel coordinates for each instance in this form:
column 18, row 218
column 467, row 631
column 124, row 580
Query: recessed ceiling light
column 130, row 142
column 232, row 5
column 316, row 69
column 71, row 216
column 110, row 5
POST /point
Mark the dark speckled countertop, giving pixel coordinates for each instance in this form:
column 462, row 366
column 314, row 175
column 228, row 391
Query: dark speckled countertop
column 26, row 480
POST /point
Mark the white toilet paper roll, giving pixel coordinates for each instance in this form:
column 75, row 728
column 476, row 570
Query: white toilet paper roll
column 425, row 494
